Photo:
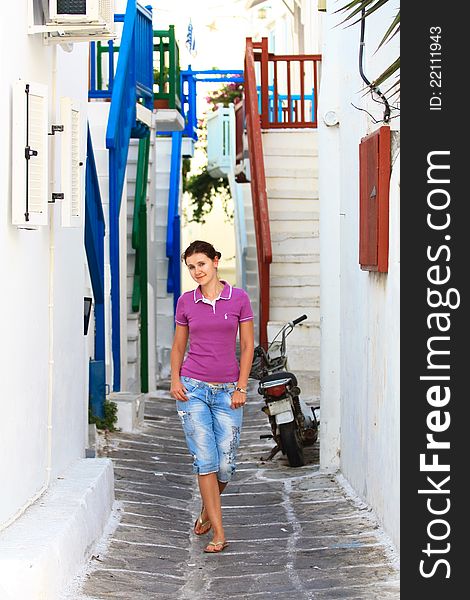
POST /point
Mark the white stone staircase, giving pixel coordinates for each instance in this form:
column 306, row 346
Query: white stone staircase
column 251, row 263
column 133, row 319
column 291, row 160
column 247, row 264
column 158, row 262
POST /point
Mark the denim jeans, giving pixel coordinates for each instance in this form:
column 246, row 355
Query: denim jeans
column 211, row 427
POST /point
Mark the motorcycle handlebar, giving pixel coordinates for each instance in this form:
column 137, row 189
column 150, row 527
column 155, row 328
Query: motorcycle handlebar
column 299, row 320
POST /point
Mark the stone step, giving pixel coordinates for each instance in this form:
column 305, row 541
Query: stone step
column 251, row 239
column 42, row 550
column 305, row 334
column 252, row 274
column 130, row 265
column 297, row 293
column 290, row 142
column 165, row 307
column 130, row 249
column 133, row 155
column 288, row 313
column 298, row 269
column 295, row 258
column 133, row 324
column 282, row 151
column 292, row 191
column 129, row 303
column 162, row 180
column 130, row 178
column 251, row 265
column 165, row 326
column 303, row 234
column 291, row 184
column 284, row 243
column 279, row 163
column 134, row 142
column 132, row 352
column 295, row 205
column 293, row 281
column 130, row 410
column 309, row 383
column 293, row 172
column 307, row 214
column 303, row 358
column 307, row 227
column 161, row 199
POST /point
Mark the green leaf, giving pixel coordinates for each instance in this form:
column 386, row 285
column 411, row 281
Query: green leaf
column 355, row 7
column 392, row 30
column 360, row 5
column 389, row 71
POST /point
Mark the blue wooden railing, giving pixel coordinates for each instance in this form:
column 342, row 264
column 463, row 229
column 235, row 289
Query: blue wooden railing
column 173, row 244
column 283, row 103
column 130, row 83
column 188, row 104
column 189, row 79
column 94, row 247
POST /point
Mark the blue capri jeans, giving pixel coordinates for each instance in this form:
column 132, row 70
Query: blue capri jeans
column 211, row 427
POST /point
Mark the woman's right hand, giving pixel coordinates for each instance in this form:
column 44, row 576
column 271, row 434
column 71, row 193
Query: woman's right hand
column 178, row 391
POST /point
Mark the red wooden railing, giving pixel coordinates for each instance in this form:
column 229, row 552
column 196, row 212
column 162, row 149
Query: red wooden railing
column 258, row 190
column 288, row 85
column 281, row 92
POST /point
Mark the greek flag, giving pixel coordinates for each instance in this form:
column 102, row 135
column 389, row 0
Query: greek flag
column 190, row 39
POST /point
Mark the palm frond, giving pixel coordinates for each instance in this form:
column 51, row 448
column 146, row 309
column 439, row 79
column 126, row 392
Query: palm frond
column 389, row 71
column 356, row 6
column 392, row 30
column 353, row 8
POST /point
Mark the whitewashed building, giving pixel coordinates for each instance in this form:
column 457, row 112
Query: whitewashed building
column 359, row 309
column 360, row 370
column 54, row 501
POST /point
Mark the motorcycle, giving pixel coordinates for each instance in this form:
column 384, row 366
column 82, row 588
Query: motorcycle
column 294, row 424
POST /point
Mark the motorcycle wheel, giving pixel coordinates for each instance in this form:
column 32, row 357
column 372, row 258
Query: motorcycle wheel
column 291, row 444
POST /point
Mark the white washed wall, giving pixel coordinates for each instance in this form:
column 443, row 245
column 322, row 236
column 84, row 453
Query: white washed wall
column 360, row 310
column 29, row 379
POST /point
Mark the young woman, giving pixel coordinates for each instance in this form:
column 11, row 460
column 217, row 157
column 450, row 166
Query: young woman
column 209, row 386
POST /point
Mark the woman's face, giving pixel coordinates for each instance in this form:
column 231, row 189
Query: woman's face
column 202, row 268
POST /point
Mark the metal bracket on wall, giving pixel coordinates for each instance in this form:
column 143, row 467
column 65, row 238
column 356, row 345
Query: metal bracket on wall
column 56, row 196
column 56, row 128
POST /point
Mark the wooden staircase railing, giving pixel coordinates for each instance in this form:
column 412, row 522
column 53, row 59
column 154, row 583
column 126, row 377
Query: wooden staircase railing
column 288, row 88
column 258, row 190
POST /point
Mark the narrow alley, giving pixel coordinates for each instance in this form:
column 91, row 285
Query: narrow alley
column 290, row 531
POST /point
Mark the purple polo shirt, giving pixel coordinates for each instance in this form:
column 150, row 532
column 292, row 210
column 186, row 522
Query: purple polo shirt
column 213, row 328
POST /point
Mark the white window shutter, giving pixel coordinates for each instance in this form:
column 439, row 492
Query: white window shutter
column 30, row 173
column 72, row 163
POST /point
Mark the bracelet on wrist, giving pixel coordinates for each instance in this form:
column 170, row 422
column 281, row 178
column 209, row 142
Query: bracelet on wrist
column 240, row 389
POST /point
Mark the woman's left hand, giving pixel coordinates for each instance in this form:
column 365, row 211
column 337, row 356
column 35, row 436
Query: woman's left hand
column 238, row 399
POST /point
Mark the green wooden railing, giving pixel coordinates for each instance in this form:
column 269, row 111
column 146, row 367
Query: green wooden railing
column 167, row 84
column 167, row 80
column 139, row 244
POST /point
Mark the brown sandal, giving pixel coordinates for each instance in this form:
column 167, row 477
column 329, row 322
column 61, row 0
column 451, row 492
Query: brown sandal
column 217, row 547
column 199, row 523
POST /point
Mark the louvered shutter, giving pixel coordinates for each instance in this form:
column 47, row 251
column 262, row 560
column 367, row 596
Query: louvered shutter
column 72, row 163
column 374, row 167
column 30, row 185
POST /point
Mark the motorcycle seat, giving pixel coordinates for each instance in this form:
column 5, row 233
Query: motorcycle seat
column 279, row 375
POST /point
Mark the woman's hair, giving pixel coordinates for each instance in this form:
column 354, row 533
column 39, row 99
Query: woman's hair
column 199, row 246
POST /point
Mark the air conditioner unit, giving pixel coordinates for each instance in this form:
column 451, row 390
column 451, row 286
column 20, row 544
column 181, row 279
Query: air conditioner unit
column 74, row 12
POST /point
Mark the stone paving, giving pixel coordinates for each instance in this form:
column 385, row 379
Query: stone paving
column 290, row 531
